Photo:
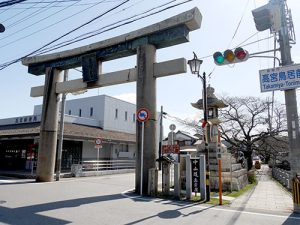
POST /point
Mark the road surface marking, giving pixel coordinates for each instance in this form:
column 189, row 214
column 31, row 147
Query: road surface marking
column 125, row 194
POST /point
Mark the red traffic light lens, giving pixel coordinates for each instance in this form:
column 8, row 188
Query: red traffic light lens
column 240, row 53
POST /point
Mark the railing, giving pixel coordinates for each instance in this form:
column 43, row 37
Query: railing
column 96, row 167
column 283, row 176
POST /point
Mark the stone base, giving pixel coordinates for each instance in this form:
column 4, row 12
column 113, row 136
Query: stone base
column 234, row 177
column 236, row 182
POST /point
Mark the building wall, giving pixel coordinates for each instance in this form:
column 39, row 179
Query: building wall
column 108, row 151
column 89, row 152
column 117, row 121
column 82, row 108
column 103, row 112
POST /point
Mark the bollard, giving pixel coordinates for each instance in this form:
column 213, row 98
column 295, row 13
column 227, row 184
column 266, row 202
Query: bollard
column 296, row 190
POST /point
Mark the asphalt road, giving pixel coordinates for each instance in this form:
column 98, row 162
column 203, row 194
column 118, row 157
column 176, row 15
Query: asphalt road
column 106, row 200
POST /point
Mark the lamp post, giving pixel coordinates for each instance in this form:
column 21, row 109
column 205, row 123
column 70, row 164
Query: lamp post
column 195, row 64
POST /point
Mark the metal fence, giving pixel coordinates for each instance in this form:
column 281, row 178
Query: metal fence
column 283, row 176
column 96, row 167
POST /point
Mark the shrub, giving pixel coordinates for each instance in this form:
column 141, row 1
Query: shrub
column 251, row 177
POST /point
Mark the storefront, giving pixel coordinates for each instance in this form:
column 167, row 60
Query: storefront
column 19, row 146
column 15, row 154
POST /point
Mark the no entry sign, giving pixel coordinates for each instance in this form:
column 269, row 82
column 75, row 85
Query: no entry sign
column 143, row 115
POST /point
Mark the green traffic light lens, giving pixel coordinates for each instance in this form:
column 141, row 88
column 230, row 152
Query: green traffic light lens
column 218, row 57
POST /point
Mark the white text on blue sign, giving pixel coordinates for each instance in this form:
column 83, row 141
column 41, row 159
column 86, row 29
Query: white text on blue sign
column 280, row 78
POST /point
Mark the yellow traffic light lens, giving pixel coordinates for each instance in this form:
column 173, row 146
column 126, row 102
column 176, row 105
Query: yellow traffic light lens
column 229, row 55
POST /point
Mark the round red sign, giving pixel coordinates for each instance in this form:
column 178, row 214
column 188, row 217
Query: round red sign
column 143, row 115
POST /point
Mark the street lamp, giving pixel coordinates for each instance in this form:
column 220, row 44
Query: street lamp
column 195, row 64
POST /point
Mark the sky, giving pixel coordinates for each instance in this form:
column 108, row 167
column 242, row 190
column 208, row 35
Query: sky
column 225, row 25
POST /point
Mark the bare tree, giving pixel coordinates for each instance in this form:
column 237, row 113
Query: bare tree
column 247, row 124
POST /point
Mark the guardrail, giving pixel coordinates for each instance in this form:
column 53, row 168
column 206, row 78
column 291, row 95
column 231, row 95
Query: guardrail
column 96, row 167
column 283, row 176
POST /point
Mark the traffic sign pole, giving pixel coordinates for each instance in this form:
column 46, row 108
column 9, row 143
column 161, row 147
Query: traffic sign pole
column 97, row 158
column 142, row 158
column 142, row 116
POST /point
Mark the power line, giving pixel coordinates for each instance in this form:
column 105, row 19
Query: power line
column 24, row 28
column 31, row 15
column 238, row 26
column 11, row 2
column 4, row 65
column 64, row 35
column 57, row 6
column 55, row 23
column 11, row 17
column 192, row 124
column 108, row 28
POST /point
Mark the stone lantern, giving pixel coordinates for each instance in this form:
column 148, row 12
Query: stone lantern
column 213, row 106
column 234, row 177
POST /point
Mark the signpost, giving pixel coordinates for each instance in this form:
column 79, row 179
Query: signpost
column 167, row 149
column 280, row 78
column 195, row 166
column 98, row 145
column 142, row 116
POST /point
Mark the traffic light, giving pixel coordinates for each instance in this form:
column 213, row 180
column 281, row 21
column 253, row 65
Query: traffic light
column 230, row 57
column 267, row 17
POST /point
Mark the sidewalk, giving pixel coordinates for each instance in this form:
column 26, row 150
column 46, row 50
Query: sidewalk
column 268, row 195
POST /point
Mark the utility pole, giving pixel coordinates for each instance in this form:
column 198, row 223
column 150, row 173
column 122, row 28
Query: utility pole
column 61, row 130
column 160, row 135
column 290, row 98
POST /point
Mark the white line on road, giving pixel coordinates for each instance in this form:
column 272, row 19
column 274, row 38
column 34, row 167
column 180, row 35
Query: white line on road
column 251, row 213
column 125, row 193
column 6, row 181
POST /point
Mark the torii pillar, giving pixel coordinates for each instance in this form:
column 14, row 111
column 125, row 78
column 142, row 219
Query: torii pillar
column 146, row 98
column 48, row 129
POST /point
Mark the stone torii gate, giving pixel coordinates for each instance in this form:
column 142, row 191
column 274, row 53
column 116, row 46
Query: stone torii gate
column 143, row 43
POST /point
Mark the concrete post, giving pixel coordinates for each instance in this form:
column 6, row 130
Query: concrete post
column 152, row 183
column 177, row 180
column 165, row 178
column 188, row 177
column 146, row 98
column 202, row 177
column 48, row 130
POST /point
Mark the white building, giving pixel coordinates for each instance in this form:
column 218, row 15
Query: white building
column 103, row 111
column 105, row 117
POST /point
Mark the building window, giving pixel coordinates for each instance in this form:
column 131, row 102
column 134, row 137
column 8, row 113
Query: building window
column 125, row 115
column 116, row 114
column 133, row 117
column 70, row 112
column 91, row 111
column 79, row 112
